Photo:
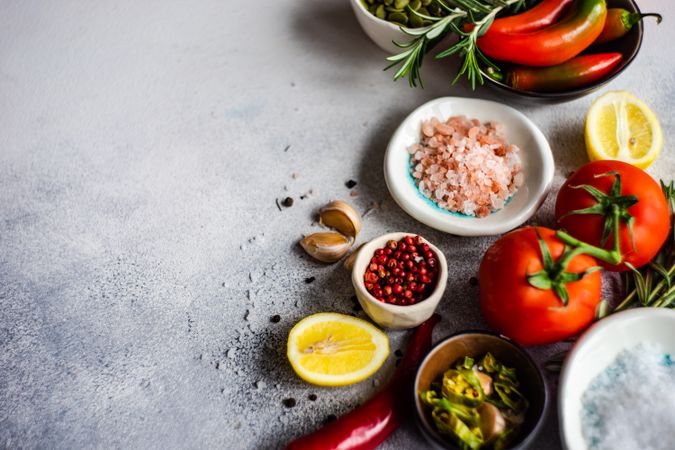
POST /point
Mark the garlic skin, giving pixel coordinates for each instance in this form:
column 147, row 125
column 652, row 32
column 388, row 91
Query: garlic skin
column 326, row 246
column 342, row 216
column 349, row 262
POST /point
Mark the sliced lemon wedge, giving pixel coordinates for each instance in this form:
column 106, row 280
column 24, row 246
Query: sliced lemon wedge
column 621, row 126
column 331, row 349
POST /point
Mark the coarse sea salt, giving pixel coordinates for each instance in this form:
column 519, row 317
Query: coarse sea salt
column 465, row 166
column 630, row 405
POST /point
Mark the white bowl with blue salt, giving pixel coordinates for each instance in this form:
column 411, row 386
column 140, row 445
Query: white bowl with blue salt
column 617, row 387
column 536, row 167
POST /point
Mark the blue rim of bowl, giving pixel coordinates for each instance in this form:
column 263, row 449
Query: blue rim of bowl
column 526, row 441
column 581, row 90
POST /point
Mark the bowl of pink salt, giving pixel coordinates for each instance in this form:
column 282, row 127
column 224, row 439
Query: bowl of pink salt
column 468, row 167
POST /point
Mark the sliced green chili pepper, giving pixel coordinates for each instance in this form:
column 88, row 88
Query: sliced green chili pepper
column 457, row 398
column 448, row 424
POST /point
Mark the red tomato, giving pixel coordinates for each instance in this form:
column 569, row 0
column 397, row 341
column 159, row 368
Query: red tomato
column 651, row 216
column 527, row 314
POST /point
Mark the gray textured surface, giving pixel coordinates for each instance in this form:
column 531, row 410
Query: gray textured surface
column 141, row 251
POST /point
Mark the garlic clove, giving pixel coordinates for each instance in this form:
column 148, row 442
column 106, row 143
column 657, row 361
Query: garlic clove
column 342, row 216
column 492, row 422
column 349, row 262
column 485, row 381
column 326, row 246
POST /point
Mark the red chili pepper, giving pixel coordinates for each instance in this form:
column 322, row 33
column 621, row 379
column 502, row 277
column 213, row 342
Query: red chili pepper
column 542, row 15
column 551, row 45
column 576, row 72
column 619, row 22
column 369, row 425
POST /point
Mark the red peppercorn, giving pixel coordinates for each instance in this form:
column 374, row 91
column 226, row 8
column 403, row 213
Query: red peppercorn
column 403, row 272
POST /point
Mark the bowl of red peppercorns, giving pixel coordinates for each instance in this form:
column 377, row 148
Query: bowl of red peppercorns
column 399, row 279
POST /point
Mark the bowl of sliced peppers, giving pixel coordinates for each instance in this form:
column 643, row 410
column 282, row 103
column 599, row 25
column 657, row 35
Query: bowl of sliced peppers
column 476, row 390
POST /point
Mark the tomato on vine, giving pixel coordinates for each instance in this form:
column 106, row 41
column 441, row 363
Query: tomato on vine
column 536, row 290
column 605, row 199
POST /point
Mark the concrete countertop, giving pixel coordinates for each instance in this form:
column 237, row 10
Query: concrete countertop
column 143, row 147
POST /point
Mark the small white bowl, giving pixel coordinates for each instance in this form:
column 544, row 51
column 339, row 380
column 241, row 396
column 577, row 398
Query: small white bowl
column 381, row 32
column 597, row 349
column 396, row 317
column 535, row 154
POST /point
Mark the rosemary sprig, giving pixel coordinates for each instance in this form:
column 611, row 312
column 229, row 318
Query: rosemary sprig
column 479, row 13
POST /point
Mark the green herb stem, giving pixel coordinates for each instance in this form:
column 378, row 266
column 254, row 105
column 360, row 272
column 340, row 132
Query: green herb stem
column 479, row 13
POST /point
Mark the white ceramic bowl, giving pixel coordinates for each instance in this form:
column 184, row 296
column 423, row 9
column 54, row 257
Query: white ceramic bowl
column 536, row 157
column 396, row 317
column 381, row 32
column 598, row 348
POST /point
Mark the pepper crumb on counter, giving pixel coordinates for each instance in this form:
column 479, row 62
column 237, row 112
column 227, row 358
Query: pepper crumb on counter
column 275, row 318
column 398, row 353
column 312, row 397
column 350, row 184
column 289, row 402
column 329, row 418
column 309, row 280
column 473, row 281
column 288, row 202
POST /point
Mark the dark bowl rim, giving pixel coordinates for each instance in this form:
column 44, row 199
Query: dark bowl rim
column 581, row 91
column 527, row 439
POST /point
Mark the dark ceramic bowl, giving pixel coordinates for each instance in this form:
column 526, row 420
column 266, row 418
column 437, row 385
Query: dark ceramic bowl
column 628, row 45
column 476, row 344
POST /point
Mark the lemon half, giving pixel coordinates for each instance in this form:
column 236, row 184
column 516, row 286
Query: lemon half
column 331, row 349
column 621, row 126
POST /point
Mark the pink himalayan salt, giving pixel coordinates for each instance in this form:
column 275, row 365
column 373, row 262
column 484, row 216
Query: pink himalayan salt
column 465, row 166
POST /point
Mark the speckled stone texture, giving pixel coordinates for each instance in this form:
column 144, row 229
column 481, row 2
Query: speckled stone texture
column 142, row 148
